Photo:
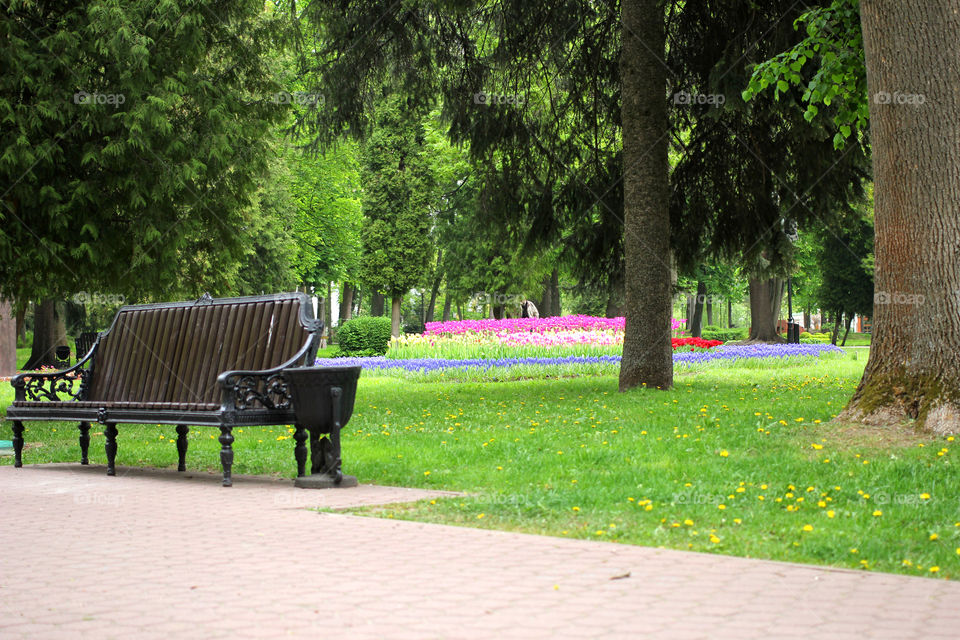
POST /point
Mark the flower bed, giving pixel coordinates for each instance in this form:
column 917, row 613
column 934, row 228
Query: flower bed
column 549, row 367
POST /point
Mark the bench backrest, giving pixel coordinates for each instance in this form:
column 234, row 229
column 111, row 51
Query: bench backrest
column 173, row 352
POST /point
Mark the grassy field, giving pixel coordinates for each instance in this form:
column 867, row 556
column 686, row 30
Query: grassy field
column 739, row 461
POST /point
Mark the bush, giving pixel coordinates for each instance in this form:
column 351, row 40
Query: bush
column 711, row 332
column 364, row 336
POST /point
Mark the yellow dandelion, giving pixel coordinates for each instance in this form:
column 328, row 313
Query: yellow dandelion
column 877, row 513
column 924, row 496
column 934, row 569
column 831, row 513
column 808, row 527
column 933, row 536
column 724, row 453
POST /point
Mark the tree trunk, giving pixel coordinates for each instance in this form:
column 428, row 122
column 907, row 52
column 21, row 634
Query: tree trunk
column 765, row 299
column 459, row 311
column 647, row 355
column 709, row 303
column 377, row 303
column 913, row 370
column 729, row 314
column 696, row 326
column 49, row 332
column 847, row 332
column 395, row 316
column 22, row 323
column 346, row 304
column 554, row 309
column 434, row 293
column 807, row 320
column 836, row 329
column 546, row 301
column 8, row 339
column 446, row 305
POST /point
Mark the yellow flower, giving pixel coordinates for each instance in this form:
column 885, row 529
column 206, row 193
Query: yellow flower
column 831, row 513
column 724, row 453
column 576, row 508
column 721, row 507
column 924, row 496
column 934, row 569
column 808, row 527
column 714, row 539
column 426, row 473
column 738, row 521
column 480, row 515
column 933, row 536
column 688, row 522
column 877, row 513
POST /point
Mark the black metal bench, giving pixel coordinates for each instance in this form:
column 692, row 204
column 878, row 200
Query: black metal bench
column 209, row 362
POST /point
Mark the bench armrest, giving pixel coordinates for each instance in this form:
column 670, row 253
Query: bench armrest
column 242, row 390
column 38, row 386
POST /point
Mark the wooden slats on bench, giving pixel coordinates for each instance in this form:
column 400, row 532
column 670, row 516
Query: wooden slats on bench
column 174, row 355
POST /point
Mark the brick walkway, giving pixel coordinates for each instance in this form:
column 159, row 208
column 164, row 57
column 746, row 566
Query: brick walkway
column 155, row 555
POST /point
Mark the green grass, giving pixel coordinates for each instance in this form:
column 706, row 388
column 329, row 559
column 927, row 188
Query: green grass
column 575, row 458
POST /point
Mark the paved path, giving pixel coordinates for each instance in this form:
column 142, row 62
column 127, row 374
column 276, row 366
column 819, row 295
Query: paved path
column 152, row 554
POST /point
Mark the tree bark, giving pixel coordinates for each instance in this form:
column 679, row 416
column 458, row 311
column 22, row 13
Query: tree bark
column 395, row 316
column 446, row 305
column 696, row 325
column 913, row 371
column 377, row 304
column 847, row 332
column 49, row 332
column 8, row 339
column 346, row 304
column 709, row 304
column 546, row 301
column 765, row 300
column 647, row 355
column 729, row 314
column 836, row 329
column 555, row 297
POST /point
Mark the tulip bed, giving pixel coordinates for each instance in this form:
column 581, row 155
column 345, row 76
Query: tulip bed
column 524, row 348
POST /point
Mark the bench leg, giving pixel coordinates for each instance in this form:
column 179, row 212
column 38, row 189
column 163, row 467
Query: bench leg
column 84, row 442
column 17, row 443
column 226, row 454
column 110, row 431
column 182, row 431
column 300, row 450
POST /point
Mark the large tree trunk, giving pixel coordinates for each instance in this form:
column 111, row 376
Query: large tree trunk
column 377, row 303
column 696, row 325
column 913, row 370
column 647, row 356
column 49, row 332
column 395, row 315
column 765, row 300
column 346, row 303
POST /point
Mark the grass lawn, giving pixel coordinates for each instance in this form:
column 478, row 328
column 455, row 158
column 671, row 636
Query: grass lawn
column 734, row 460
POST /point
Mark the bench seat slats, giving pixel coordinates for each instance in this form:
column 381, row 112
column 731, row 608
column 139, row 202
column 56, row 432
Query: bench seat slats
column 117, row 404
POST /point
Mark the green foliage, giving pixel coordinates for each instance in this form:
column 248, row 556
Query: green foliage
column 397, row 196
column 364, row 336
column 834, row 47
column 134, row 135
column 847, row 285
column 711, row 332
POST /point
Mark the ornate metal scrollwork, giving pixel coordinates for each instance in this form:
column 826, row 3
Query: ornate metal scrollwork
column 255, row 392
column 45, row 387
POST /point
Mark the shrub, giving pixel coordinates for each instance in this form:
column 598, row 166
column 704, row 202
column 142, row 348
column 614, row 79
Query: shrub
column 725, row 335
column 364, row 336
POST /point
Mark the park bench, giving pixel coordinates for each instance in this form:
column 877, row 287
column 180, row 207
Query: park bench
column 210, row 362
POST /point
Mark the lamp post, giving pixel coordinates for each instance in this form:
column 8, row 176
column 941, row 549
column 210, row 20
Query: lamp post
column 793, row 331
